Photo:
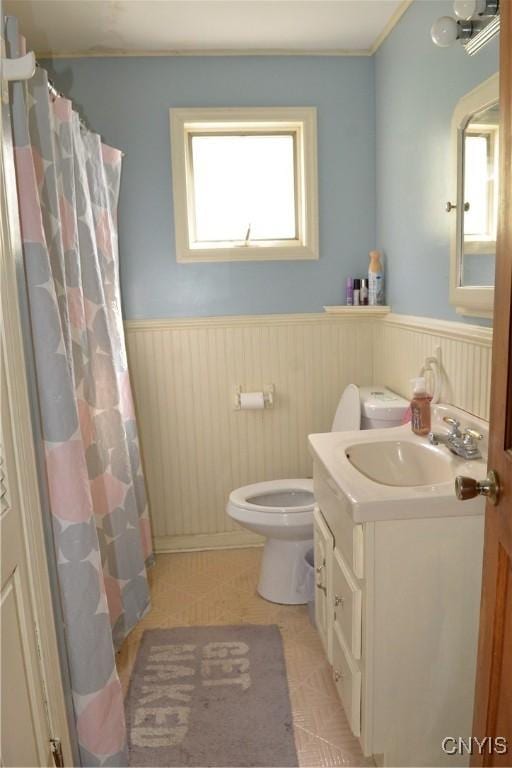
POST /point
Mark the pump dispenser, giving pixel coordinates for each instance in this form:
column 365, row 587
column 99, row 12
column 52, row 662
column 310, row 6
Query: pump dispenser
column 420, row 407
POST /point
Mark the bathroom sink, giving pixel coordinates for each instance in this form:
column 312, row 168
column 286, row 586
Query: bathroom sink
column 393, row 474
column 401, row 463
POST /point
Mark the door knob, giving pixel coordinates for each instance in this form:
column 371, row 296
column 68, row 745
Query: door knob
column 468, row 487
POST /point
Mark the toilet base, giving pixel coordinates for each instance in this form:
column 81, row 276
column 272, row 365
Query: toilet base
column 283, row 571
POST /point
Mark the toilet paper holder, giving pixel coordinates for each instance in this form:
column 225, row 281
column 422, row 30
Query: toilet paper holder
column 268, row 396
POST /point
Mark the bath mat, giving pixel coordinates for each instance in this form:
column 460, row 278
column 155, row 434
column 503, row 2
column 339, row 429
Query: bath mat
column 210, row 696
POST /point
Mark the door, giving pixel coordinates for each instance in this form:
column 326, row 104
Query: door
column 25, row 729
column 33, row 723
column 493, row 702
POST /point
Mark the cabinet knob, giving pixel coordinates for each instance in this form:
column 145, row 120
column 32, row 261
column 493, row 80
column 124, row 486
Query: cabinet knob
column 338, row 676
column 452, row 206
column 321, row 586
column 338, row 601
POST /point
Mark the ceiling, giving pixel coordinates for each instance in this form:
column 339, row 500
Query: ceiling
column 117, row 27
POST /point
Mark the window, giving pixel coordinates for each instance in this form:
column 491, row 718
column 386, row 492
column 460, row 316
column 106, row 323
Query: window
column 480, row 186
column 244, row 183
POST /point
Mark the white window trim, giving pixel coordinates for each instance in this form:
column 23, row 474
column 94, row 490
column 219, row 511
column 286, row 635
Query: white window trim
column 299, row 120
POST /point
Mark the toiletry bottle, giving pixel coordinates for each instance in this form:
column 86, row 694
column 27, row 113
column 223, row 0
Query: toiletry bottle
column 356, row 291
column 420, row 407
column 363, row 292
column 350, row 291
column 375, row 279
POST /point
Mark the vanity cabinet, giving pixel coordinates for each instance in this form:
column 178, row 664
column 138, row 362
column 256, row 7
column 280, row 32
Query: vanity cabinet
column 397, row 606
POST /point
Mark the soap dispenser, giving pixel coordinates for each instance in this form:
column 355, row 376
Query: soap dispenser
column 420, row 407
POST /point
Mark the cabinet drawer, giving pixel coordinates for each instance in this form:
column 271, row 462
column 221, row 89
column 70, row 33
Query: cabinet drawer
column 347, row 679
column 347, row 602
column 348, row 536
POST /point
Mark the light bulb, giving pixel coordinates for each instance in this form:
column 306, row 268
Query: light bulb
column 445, row 31
column 466, row 9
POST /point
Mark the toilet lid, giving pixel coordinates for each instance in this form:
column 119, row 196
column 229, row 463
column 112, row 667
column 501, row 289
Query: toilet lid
column 348, row 413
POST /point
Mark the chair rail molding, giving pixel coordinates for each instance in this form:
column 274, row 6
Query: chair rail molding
column 448, row 329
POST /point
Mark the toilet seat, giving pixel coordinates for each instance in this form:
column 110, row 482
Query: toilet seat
column 291, row 496
column 280, row 521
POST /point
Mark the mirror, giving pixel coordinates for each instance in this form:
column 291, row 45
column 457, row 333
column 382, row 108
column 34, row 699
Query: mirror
column 479, row 214
column 475, row 131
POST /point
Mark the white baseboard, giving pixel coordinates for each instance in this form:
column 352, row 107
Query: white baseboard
column 202, row 541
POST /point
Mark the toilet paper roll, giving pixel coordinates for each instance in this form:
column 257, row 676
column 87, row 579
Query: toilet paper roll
column 252, row 401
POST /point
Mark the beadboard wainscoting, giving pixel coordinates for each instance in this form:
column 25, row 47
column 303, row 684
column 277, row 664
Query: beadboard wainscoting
column 402, row 343
column 197, row 447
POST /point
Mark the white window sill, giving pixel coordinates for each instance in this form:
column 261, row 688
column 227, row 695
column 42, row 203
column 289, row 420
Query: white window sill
column 292, row 251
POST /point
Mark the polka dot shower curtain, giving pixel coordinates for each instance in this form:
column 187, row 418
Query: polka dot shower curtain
column 68, row 184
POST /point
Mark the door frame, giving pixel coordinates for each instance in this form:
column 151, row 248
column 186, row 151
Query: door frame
column 23, row 443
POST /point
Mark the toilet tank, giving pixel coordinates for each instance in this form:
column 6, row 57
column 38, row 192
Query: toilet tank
column 381, row 408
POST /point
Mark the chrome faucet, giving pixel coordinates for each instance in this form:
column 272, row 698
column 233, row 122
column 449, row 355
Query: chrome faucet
column 463, row 444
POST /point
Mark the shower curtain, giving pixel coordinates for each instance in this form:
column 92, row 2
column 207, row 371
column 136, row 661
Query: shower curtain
column 68, row 185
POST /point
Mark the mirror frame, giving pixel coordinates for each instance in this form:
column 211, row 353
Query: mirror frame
column 474, row 301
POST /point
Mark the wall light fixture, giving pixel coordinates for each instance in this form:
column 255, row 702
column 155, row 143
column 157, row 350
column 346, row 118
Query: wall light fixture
column 475, row 23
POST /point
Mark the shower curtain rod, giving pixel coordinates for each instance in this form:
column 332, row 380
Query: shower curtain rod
column 54, row 93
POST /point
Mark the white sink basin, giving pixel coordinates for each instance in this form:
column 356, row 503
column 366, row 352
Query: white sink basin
column 392, row 474
column 401, row 463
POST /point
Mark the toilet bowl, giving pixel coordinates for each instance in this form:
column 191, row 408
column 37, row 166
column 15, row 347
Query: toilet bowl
column 282, row 510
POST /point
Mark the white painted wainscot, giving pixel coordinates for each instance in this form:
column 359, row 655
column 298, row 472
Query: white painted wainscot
column 197, row 448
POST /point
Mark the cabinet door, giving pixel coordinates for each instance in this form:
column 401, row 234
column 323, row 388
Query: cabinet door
column 324, row 547
column 347, row 678
column 347, row 603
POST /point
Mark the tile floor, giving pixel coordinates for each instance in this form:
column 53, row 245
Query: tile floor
column 219, row 587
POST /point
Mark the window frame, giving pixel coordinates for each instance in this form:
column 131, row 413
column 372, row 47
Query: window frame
column 481, row 242
column 299, row 121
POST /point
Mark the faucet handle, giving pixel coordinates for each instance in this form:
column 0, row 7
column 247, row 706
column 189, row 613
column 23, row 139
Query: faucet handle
column 468, row 432
column 454, row 424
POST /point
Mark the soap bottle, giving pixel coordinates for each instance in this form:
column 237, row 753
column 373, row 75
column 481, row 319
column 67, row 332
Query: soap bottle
column 356, row 292
column 375, row 279
column 420, row 407
column 350, row 291
column 363, row 292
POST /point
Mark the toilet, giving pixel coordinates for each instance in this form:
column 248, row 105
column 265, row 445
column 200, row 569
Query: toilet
column 282, row 510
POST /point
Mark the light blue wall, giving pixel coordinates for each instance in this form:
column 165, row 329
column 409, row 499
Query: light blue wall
column 384, row 159
column 417, row 86
column 127, row 101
